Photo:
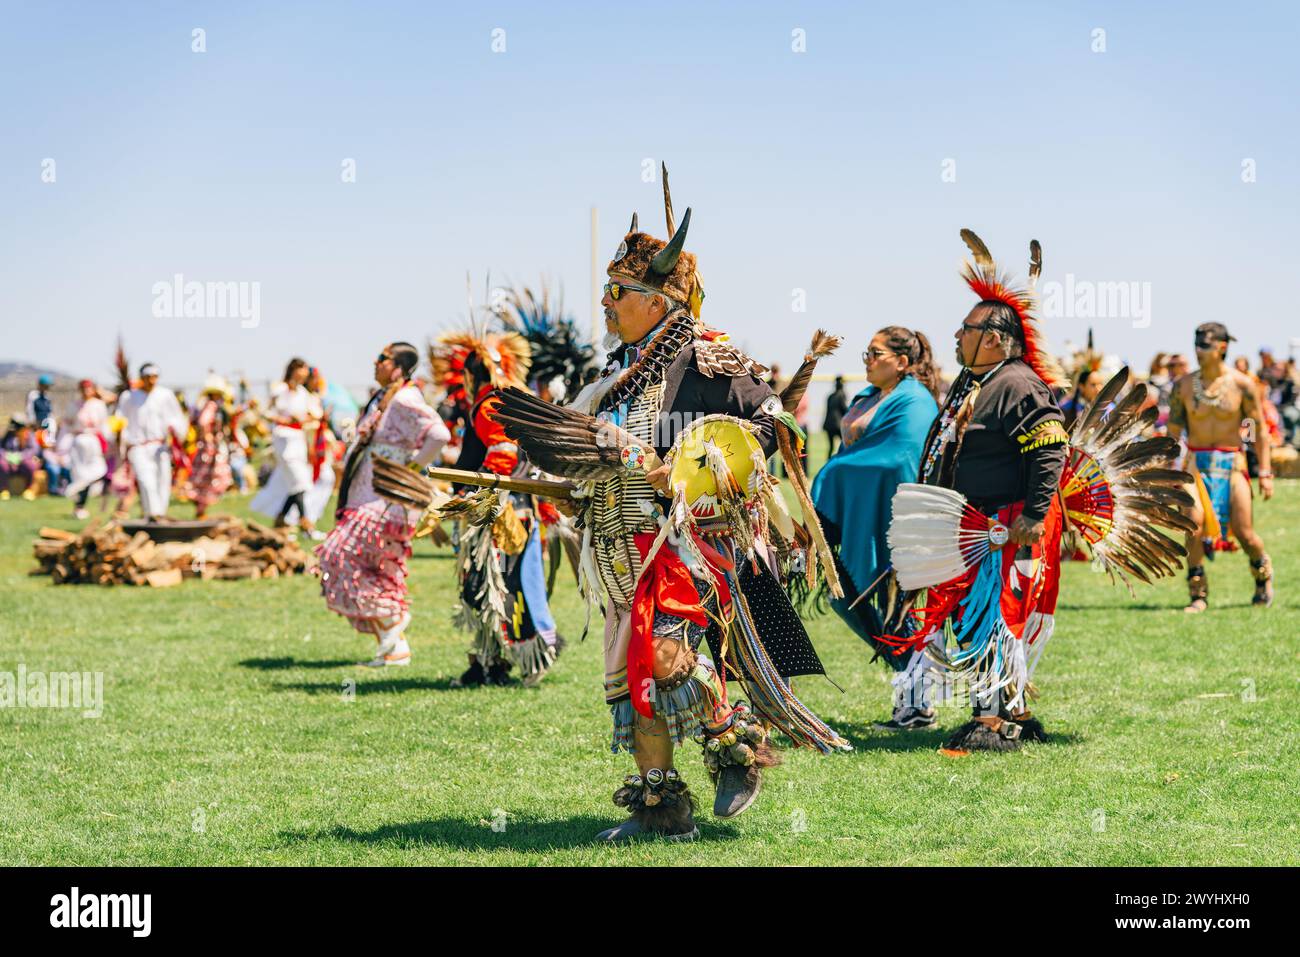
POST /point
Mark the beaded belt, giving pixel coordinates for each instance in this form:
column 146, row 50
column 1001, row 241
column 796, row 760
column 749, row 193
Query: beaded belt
column 393, row 452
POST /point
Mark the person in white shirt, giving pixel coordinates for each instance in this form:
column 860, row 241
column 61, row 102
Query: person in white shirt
column 87, row 427
column 292, row 411
column 153, row 417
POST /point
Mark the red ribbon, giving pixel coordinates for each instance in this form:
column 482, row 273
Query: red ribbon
column 318, row 453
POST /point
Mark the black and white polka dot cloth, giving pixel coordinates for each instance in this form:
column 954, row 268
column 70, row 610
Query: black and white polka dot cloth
column 777, row 624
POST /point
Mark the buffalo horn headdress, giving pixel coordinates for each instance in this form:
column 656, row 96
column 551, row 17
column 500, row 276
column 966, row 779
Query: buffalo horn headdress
column 665, row 266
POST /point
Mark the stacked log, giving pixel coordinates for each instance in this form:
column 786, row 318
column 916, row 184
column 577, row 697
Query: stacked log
column 104, row 554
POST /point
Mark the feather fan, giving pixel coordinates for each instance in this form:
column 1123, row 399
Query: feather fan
column 400, row 485
column 1118, row 486
column 935, row 535
column 562, row 441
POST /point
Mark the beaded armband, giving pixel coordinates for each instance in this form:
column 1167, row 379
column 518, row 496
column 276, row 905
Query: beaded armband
column 1051, row 432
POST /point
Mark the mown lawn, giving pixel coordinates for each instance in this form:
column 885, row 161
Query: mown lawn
column 229, row 736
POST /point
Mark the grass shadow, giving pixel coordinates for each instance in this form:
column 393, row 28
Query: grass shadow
column 521, row 833
column 1103, row 606
column 1063, row 739
column 286, row 664
column 1111, row 606
column 867, row 739
column 363, row 686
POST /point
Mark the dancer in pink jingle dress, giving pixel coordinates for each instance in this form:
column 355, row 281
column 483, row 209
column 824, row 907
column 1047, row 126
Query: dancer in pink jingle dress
column 214, row 427
column 363, row 561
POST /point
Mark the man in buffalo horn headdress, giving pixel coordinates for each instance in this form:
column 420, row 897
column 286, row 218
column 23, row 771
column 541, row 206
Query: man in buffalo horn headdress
column 666, row 593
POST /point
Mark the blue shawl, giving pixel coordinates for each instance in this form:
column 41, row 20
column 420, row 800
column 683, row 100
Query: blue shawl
column 855, row 488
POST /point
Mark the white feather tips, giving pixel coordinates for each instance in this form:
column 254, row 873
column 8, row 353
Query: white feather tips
column 926, row 538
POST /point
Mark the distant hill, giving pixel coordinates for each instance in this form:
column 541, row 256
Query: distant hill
column 15, row 373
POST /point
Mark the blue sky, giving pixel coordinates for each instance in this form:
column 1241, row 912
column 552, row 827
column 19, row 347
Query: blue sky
column 819, row 171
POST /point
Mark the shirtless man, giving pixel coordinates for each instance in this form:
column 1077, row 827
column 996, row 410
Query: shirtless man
column 1209, row 406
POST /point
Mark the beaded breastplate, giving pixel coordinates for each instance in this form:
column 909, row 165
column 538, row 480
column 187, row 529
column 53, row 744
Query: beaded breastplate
column 618, row 507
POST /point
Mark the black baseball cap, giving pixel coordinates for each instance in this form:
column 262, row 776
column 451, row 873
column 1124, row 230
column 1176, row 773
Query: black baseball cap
column 1214, row 331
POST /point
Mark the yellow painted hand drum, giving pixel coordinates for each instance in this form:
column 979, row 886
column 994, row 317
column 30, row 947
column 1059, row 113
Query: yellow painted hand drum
column 715, row 460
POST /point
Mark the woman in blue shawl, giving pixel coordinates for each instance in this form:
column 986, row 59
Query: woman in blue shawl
column 883, row 432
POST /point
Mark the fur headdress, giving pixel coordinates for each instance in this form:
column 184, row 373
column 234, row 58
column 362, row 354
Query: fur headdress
column 503, row 353
column 661, row 265
column 984, row 280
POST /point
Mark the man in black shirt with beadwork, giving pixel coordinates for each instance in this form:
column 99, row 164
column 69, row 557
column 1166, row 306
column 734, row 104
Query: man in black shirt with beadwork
column 1014, row 445
column 1000, row 441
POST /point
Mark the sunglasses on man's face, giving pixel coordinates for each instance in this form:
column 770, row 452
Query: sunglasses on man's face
column 384, row 357
column 1206, row 343
column 615, row 290
column 966, row 328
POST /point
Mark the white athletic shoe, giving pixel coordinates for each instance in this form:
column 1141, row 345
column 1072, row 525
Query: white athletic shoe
column 396, row 654
column 393, row 649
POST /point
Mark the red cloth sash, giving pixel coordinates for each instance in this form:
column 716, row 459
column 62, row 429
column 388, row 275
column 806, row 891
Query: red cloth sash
column 666, row 585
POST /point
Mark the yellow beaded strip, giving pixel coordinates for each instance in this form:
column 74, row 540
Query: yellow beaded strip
column 1051, row 432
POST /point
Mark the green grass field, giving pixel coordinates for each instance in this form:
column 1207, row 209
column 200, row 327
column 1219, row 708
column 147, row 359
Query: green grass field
column 227, row 736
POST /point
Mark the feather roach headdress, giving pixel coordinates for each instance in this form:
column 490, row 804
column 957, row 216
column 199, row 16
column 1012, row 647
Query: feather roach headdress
column 502, row 353
column 558, row 348
column 985, row 281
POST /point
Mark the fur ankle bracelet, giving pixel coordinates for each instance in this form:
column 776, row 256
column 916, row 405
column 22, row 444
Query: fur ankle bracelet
column 657, row 788
column 743, row 743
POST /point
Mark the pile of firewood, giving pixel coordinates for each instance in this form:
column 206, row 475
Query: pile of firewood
column 106, row 555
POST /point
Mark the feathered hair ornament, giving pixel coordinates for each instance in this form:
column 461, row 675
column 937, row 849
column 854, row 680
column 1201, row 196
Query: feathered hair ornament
column 503, row 353
column 985, row 281
column 558, row 349
column 122, row 367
